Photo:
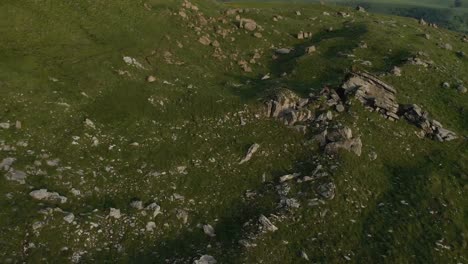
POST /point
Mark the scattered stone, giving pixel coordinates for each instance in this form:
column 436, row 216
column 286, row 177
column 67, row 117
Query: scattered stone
column 182, row 215
column 6, row 163
column 5, row 125
column 340, row 108
column 18, row 125
column 250, row 152
column 343, row 14
column 89, row 123
column 289, row 177
column 298, row 13
column 446, row 85
column 448, row 46
column 133, row 62
column 137, row 205
column 16, row 175
column 303, row 35
column 283, row 51
column 155, row 207
column 150, row 226
column 311, row 49
column 422, row 22
column 258, row 35
column 360, row 9
column 205, row 259
column 427, row 36
column 215, row 44
column 372, row 156
column 209, row 230
column 69, row 218
column 204, row 40
column 461, row 89
column 151, row 79
column 43, row 194
column 266, row 224
column 115, row 213
column 327, row 190
column 248, row 24
column 396, row 71
column 419, row 61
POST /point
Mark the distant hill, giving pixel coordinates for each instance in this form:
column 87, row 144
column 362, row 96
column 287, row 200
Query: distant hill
column 451, row 14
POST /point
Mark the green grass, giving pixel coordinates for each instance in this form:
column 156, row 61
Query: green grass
column 195, row 122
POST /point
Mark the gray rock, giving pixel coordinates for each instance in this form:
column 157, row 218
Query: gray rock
column 205, row 259
column 43, row 194
column 283, row 51
column 461, row 89
column 5, row 125
column 137, row 205
column 69, row 218
column 16, row 175
column 446, row 85
column 327, row 190
column 250, row 152
column 360, row 9
column 430, row 128
column 266, row 224
column 182, row 215
column 340, row 108
column 209, row 230
column 6, row 163
column 115, row 213
column 372, row 92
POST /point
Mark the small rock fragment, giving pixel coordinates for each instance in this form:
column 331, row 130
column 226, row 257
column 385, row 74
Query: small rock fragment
column 209, row 230
column 69, row 218
column 266, row 224
column 250, row 152
column 115, row 213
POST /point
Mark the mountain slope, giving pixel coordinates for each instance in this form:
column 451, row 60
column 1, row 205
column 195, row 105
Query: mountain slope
column 144, row 166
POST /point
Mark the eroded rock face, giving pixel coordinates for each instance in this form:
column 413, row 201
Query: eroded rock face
column 431, row 128
column 288, row 107
column 371, row 91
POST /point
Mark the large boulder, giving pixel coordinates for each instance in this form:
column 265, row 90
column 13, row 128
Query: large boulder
column 372, row 92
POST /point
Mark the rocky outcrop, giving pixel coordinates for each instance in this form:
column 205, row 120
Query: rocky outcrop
column 288, row 107
column 430, row 127
column 372, row 92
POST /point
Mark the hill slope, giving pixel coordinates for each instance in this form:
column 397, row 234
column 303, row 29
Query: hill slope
column 102, row 164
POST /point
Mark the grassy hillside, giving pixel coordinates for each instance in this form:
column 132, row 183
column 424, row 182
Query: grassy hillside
column 79, row 117
column 442, row 12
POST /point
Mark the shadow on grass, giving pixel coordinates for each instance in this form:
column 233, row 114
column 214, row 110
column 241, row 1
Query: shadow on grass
column 400, row 225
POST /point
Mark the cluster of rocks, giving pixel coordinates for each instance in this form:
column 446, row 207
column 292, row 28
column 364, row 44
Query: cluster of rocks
column 430, row 127
column 460, row 87
column 418, row 61
column 332, row 140
column 304, row 35
column 288, row 107
column 422, row 22
column 373, row 93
